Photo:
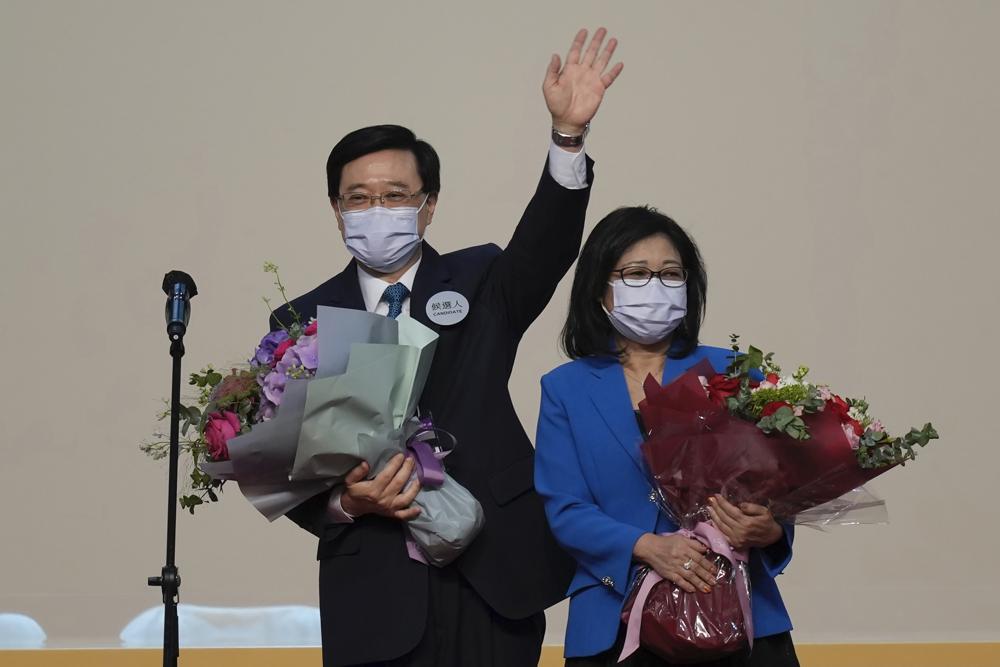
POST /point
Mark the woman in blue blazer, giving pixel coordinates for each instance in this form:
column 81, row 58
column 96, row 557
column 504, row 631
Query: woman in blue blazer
column 636, row 308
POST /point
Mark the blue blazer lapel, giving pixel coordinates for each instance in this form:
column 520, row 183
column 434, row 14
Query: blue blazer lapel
column 675, row 367
column 610, row 396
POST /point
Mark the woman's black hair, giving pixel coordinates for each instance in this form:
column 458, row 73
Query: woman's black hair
column 588, row 332
column 379, row 138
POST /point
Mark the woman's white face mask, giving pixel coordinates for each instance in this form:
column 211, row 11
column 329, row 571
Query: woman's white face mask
column 647, row 314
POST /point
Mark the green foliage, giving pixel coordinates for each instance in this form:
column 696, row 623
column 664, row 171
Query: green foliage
column 295, row 329
column 876, row 449
column 784, row 420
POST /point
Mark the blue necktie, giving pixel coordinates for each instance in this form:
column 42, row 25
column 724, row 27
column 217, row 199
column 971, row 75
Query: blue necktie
column 394, row 295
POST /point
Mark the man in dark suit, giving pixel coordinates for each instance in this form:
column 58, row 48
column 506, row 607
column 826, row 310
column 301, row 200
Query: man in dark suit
column 378, row 605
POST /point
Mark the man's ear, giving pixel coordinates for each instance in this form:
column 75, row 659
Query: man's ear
column 336, row 214
column 430, row 206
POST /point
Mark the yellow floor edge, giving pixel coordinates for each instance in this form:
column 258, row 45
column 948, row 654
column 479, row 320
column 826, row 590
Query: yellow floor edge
column 986, row 654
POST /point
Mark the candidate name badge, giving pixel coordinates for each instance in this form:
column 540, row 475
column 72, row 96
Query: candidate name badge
column 447, row 308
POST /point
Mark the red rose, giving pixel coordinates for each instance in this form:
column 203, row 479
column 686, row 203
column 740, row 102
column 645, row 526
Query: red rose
column 859, row 430
column 721, row 387
column 773, row 378
column 839, row 407
column 311, row 329
column 279, row 351
column 219, row 429
column 773, row 407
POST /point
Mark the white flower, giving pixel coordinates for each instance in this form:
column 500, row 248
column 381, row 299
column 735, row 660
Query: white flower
column 787, row 381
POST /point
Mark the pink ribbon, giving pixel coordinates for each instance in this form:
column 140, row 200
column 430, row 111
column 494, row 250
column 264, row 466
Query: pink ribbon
column 709, row 535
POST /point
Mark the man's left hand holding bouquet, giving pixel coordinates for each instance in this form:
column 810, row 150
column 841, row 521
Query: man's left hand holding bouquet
column 390, row 493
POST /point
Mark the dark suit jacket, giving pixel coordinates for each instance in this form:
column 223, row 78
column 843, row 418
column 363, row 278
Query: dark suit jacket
column 373, row 598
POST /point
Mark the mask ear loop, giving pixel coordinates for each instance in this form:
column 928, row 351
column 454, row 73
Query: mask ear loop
column 423, row 203
column 601, row 301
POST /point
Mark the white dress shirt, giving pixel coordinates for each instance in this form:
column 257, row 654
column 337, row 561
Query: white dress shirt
column 372, row 289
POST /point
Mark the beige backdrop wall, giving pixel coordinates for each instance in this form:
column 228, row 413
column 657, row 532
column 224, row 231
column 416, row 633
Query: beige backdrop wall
column 837, row 163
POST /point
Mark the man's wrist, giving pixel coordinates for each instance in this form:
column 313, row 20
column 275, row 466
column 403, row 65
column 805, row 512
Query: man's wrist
column 570, row 142
column 569, row 137
column 340, row 505
column 569, row 129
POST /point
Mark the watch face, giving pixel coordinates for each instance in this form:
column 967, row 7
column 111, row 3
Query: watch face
column 560, row 139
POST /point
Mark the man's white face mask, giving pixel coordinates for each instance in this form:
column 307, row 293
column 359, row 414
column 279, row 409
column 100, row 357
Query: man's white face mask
column 383, row 239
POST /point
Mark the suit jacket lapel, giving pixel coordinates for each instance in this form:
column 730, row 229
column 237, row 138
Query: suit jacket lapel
column 610, row 396
column 344, row 290
column 432, row 277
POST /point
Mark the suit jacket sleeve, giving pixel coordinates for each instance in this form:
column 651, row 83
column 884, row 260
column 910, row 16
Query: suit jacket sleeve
column 545, row 244
column 311, row 515
column 600, row 544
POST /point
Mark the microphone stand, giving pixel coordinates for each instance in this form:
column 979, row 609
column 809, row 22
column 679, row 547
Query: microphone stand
column 179, row 288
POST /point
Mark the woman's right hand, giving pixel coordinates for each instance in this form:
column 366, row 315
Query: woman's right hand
column 678, row 559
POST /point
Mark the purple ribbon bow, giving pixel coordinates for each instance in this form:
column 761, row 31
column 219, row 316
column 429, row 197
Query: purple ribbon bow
column 430, row 470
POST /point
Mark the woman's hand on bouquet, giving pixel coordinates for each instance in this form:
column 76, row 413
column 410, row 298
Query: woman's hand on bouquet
column 678, row 559
column 386, row 494
column 745, row 526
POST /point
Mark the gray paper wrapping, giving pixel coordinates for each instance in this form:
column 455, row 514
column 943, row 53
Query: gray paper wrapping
column 371, row 372
column 261, row 460
column 450, row 518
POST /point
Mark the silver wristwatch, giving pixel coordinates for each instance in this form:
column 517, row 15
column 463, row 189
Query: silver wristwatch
column 569, row 140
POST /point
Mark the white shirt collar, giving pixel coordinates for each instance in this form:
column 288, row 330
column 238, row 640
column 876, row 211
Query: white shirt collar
column 372, row 288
